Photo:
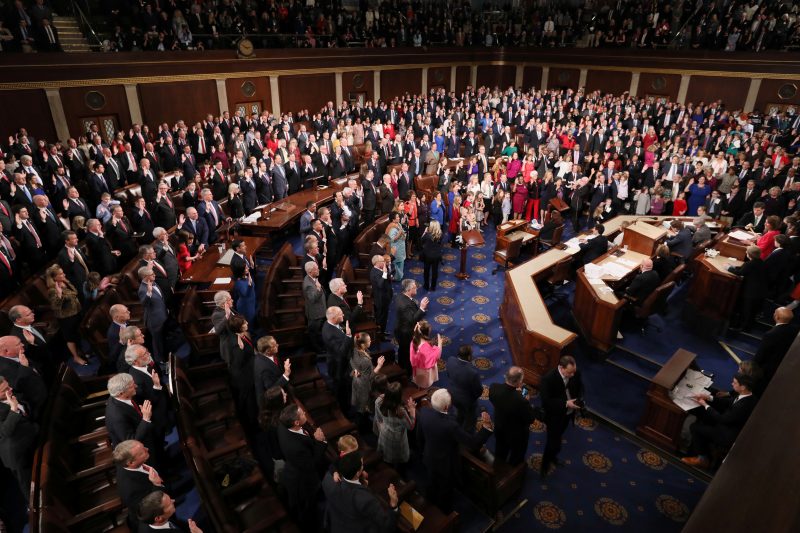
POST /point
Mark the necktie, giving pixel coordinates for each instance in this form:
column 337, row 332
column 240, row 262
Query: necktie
column 4, row 210
column 210, row 208
column 123, row 226
column 136, row 407
column 27, row 193
column 132, row 162
column 202, row 145
column 29, row 226
column 5, row 260
column 77, row 255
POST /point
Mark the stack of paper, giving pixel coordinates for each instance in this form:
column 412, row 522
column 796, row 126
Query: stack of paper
column 741, row 235
column 252, row 218
column 221, row 281
column 692, row 384
column 593, row 271
column 616, row 271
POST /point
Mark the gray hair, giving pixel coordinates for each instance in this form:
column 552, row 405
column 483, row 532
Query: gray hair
column 408, row 284
column 115, row 310
column 309, row 266
column 15, row 312
column 118, row 383
column 336, row 284
column 126, row 335
column 441, row 400
column 376, row 259
column 158, row 232
column 221, row 297
column 144, row 272
column 514, row 376
column 132, row 353
column 123, row 453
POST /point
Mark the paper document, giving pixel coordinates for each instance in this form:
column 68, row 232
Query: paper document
column 597, row 282
column 221, row 281
column 692, row 384
column 627, row 262
column 615, row 270
column 741, row 235
column 252, row 218
column 593, row 271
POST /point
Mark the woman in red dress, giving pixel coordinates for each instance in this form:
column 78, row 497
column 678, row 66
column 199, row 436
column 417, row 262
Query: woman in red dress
column 185, row 258
column 520, row 193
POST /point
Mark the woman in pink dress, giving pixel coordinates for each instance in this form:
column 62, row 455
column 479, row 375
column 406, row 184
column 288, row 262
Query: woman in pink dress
column 520, row 196
column 424, row 355
column 514, row 166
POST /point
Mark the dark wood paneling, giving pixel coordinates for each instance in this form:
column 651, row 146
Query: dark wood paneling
column 310, row 91
column 439, row 77
column 233, row 86
column 358, row 82
column 398, row 82
column 501, row 76
column 74, row 101
column 608, row 81
column 27, row 109
column 768, row 93
column 463, row 77
column 532, row 77
column 662, row 84
column 563, row 77
column 169, row 102
column 732, row 91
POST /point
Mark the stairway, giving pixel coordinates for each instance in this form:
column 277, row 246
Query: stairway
column 70, row 35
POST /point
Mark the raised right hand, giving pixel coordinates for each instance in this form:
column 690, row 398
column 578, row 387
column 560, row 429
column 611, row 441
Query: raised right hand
column 147, row 411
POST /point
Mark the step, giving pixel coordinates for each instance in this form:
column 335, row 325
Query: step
column 640, row 367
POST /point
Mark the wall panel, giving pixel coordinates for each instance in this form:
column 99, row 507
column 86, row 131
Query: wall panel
column 358, row 82
column 608, row 81
column 311, row 91
column 439, row 77
column 768, row 93
column 77, row 106
column 732, row 91
column 660, row 84
column 531, row 77
column 462, row 79
column 248, row 90
column 563, row 77
column 189, row 101
column 27, row 108
column 501, row 76
column 398, row 82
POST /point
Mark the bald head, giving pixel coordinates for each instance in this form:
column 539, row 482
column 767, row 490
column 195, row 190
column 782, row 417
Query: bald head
column 783, row 315
column 10, row 346
column 647, row 264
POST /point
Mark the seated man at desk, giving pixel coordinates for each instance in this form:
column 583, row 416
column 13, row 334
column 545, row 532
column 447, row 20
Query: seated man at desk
column 681, row 241
column 594, row 247
column 754, row 220
column 722, row 420
column 643, row 284
column 701, row 230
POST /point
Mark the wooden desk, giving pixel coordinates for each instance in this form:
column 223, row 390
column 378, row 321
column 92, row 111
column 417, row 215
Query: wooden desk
column 514, row 230
column 206, row 269
column 714, row 290
column 662, row 420
column 730, row 247
column 643, row 237
column 596, row 308
column 536, row 343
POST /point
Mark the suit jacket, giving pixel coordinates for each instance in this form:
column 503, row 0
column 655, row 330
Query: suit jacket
column 773, row 348
column 513, row 413
column 164, row 214
column 554, row 395
column 407, row 314
column 74, row 270
column 754, row 284
column 314, row 300
column 155, row 309
column 728, row 416
column 266, row 374
column 354, row 315
column 353, row 507
column 133, row 486
column 643, row 285
column 439, row 437
column 749, row 218
column 28, row 385
column 115, row 349
column 305, row 457
column 465, row 382
column 209, row 218
column 198, row 228
column 169, row 261
column 18, row 434
column 238, row 266
column 338, row 345
column 124, row 423
column 594, row 248
column 681, row 243
column 100, row 256
column 381, row 289
column 159, row 398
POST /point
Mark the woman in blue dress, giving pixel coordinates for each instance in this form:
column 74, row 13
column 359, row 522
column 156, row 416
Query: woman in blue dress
column 244, row 297
column 698, row 193
column 397, row 238
column 438, row 139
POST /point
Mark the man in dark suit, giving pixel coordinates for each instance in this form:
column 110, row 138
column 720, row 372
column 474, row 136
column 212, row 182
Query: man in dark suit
column 338, row 342
column 439, row 437
column 28, row 385
column 753, row 220
column 381, row 281
column 149, row 388
column 596, row 246
column 351, row 506
column 465, row 386
column 561, row 391
column 753, row 288
column 643, row 284
column 125, row 418
column 336, row 298
column 155, row 310
column 212, row 213
column 513, row 415
column 19, row 434
column 407, row 314
column 120, row 315
column 192, row 223
column 101, row 256
column 680, row 242
column 267, row 368
column 156, row 512
column 314, row 298
column 31, row 245
column 135, row 478
column 72, row 261
column 776, row 343
column 722, row 420
column 304, row 455
column 33, row 341
column 120, row 232
column 165, row 256
column 163, row 208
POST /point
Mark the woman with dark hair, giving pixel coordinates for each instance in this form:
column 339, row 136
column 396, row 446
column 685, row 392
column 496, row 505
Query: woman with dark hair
column 393, row 421
column 64, row 301
column 240, row 366
column 424, row 355
column 185, row 258
column 267, row 450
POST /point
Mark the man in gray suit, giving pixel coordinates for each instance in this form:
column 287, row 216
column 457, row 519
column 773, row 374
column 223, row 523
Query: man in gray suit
column 165, row 254
column 219, row 319
column 280, row 185
column 351, row 505
column 315, row 304
column 155, row 311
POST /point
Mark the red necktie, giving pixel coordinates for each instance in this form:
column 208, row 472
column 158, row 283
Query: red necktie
column 33, row 232
column 169, row 202
column 275, row 360
column 6, row 263
column 202, row 145
column 5, row 211
column 122, row 225
column 136, row 407
column 133, row 162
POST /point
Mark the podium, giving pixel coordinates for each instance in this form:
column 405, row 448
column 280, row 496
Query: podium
column 643, row 237
column 662, row 420
column 471, row 237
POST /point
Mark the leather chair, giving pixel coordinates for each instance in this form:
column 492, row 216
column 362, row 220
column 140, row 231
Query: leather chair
column 654, row 304
column 506, row 250
column 546, row 244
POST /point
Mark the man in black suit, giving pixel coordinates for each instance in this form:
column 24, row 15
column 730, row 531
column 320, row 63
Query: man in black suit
column 19, row 434
column 33, row 340
column 351, row 506
column 120, row 315
column 267, row 368
column 15, row 368
column 149, row 389
column 337, row 298
column 407, row 314
column 381, row 281
column 135, row 478
column 439, row 437
column 120, row 232
column 513, row 415
column 72, row 261
column 125, row 418
column 101, row 256
column 722, row 420
column 680, row 242
column 753, row 288
column 304, row 455
column 594, row 247
column 643, row 284
column 155, row 511
column 776, row 343
column 753, row 220
column 338, row 343
column 165, row 255
column 163, row 209
column 561, row 389
column 465, row 386
column 31, row 245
